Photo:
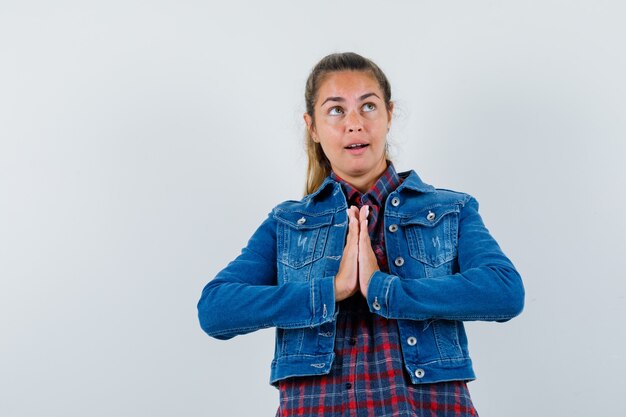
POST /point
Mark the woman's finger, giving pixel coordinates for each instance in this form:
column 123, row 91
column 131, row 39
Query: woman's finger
column 367, row 259
column 363, row 226
column 353, row 226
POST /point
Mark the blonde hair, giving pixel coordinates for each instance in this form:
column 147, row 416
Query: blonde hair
column 318, row 166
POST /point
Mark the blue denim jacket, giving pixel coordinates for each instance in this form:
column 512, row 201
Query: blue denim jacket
column 445, row 268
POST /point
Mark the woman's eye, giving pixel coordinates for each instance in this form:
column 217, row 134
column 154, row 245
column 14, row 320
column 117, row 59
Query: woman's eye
column 334, row 111
column 369, row 107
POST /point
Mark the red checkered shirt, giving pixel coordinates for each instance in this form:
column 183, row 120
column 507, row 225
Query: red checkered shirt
column 368, row 377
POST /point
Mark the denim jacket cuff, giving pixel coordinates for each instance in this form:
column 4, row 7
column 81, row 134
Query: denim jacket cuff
column 378, row 293
column 323, row 300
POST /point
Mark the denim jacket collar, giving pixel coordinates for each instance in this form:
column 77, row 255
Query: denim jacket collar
column 412, row 181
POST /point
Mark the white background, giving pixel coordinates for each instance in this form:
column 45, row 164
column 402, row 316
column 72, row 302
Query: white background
column 142, row 142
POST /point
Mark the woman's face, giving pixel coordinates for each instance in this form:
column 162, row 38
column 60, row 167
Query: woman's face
column 351, row 124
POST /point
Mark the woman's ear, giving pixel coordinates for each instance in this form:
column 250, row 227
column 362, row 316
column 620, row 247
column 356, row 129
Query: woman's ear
column 390, row 114
column 309, row 125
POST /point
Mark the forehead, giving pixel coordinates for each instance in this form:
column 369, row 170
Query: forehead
column 348, row 85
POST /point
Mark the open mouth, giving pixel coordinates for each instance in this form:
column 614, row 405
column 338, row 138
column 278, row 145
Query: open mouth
column 357, row 146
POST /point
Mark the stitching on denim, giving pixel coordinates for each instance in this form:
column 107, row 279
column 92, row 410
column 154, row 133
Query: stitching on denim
column 459, row 318
column 309, row 213
column 303, row 355
column 313, row 309
column 439, row 339
column 439, row 361
column 387, row 288
column 398, row 215
column 240, row 329
column 291, row 325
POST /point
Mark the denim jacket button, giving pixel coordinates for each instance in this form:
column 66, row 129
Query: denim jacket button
column 430, row 216
column 411, row 341
column 393, row 228
column 399, row 261
column 301, row 220
column 395, row 201
column 419, row 372
column 376, row 304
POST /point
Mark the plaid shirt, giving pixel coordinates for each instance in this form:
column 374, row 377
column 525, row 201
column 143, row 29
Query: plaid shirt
column 367, row 378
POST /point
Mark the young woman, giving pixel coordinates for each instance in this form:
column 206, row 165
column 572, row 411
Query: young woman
column 369, row 277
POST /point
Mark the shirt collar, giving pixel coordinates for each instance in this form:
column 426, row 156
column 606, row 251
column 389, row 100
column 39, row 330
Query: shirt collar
column 386, row 183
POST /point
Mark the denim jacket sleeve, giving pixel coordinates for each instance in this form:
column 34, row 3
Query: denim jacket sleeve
column 245, row 295
column 486, row 287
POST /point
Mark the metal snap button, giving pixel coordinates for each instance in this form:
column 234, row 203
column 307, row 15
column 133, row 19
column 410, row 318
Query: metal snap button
column 430, row 216
column 395, row 201
column 376, row 304
column 419, row 372
column 399, row 261
column 411, row 341
column 301, row 220
column 393, row 228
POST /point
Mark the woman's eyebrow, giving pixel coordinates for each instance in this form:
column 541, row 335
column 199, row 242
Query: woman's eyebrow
column 341, row 99
column 364, row 96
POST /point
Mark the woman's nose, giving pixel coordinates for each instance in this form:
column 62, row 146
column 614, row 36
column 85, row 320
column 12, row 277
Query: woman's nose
column 354, row 122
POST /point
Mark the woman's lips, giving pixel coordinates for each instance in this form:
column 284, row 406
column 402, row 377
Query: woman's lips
column 356, row 149
column 356, row 145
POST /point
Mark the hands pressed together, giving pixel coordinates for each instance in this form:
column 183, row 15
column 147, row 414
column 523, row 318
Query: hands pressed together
column 358, row 262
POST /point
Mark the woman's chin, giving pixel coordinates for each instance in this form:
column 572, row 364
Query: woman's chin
column 361, row 168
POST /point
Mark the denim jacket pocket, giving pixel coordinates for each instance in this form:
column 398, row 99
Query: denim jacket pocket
column 300, row 237
column 432, row 235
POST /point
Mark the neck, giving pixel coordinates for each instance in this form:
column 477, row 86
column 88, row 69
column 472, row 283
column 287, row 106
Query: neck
column 365, row 182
